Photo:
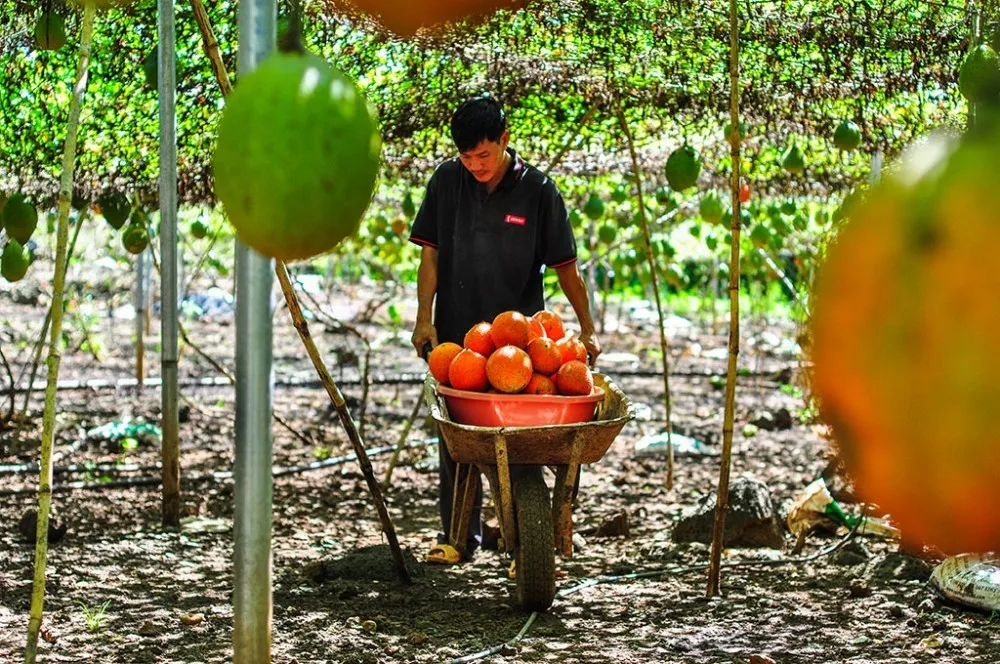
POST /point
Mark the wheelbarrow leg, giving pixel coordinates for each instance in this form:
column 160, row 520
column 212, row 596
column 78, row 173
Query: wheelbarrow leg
column 462, row 509
column 506, row 529
column 505, row 498
column 562, row 506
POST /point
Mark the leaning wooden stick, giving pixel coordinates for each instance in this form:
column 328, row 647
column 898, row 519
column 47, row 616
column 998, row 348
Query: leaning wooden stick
column 664, row 344
column 345, row 417
column 295, row 310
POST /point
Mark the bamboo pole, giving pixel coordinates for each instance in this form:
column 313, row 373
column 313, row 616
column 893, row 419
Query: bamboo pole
column 295, row 310
column 664, row 344
column 722, row 499
column 58, row 287
column 402, row 440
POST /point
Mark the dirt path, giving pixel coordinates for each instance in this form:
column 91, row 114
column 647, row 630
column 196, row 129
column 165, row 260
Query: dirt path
column 169, row 594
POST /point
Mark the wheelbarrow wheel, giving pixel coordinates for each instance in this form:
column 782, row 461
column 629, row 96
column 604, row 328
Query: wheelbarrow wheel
column 535, row 552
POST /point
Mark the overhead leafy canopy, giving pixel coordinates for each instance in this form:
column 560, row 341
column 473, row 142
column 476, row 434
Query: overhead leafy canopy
column 889, row 65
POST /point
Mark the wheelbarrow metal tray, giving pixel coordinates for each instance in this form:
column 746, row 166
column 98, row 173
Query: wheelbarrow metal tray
column 535, row 445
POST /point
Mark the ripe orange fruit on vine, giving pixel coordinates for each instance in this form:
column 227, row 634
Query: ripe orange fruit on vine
column 572, row 348
column 540, row 384
column 905, row 330
column 574, row 379
column 510, row 328
column 407, row 17
column 509, row 369
column 468, row 372
column 479, row 339
column 552, row 324
column 546, row 356
column 744, row 192
column 439, row 360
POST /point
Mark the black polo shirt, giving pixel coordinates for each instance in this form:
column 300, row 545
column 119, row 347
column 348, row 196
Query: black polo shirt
column 492, row 248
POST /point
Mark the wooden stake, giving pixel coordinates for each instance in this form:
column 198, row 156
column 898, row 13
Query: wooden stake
column 295, row 310
column 722, row 499
column 58, row 289
column 664, row 344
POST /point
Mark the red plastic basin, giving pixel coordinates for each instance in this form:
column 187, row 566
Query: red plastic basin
column 489, row 409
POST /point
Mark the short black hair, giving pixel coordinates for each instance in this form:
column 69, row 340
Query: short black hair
column 477, row 119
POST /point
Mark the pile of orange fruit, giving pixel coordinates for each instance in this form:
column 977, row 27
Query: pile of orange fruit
column 515, row 355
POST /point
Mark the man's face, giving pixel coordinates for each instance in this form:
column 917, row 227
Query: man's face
column 486, row 159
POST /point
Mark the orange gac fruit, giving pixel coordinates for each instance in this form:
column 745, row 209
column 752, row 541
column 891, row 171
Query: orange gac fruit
column 552, row 324
column 574, row 379
column 510, row 329
column 408, row 18
column 440, row 359
column 535, row 330
column 546, row 356
column 479, row 339
column 540, row 384
column 468, row 372
column 509, row 369
column 572, row 349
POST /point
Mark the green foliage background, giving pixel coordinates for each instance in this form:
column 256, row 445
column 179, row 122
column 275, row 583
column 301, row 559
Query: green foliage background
column 891, row 65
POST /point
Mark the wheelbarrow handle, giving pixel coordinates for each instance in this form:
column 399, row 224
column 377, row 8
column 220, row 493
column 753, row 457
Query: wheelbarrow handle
column 425, row 351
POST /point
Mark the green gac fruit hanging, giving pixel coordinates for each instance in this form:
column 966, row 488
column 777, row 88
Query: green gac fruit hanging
column 847, row 136
column 781, row 227
column 199, row 230
column 760, row 236
column 683, row 168
column 20, row 218
column 594, row 207
column 607, row 233
column 50, row 32
column 800, row 222
column 135, row 239
column 663, row 195
column 409, row 207
column 115, row 209
column 575, row 218
column 14, row 261
column 710, row 207
column 789, row 206
column 979, row 77
column 297, row 157
column 711, row 242
column 620, row 194
column 793, row 160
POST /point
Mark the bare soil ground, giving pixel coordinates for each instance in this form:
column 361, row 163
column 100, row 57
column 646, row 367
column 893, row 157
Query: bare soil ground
column 169, row 594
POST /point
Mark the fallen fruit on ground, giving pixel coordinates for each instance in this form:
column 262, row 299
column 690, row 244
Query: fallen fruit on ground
column 297, row 156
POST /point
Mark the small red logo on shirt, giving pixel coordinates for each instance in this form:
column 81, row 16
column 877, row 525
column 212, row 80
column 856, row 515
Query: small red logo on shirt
column 514, row 219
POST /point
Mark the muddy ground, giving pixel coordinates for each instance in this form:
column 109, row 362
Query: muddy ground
column 168, row 594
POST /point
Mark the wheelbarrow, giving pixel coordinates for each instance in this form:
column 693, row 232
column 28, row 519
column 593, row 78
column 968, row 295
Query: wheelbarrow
column 513, row 458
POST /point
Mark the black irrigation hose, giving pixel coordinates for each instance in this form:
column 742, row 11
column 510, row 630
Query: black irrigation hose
column 403, row 378
column 221, row 475
column 589, row 583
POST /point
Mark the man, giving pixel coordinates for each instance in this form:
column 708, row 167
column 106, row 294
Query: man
column 488, row 226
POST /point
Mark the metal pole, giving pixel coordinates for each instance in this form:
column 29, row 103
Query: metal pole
column 170, row 452
column 140, row 317
column 252, row 608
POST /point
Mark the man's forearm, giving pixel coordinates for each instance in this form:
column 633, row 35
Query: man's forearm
column 575, row 289
column 426, row 284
